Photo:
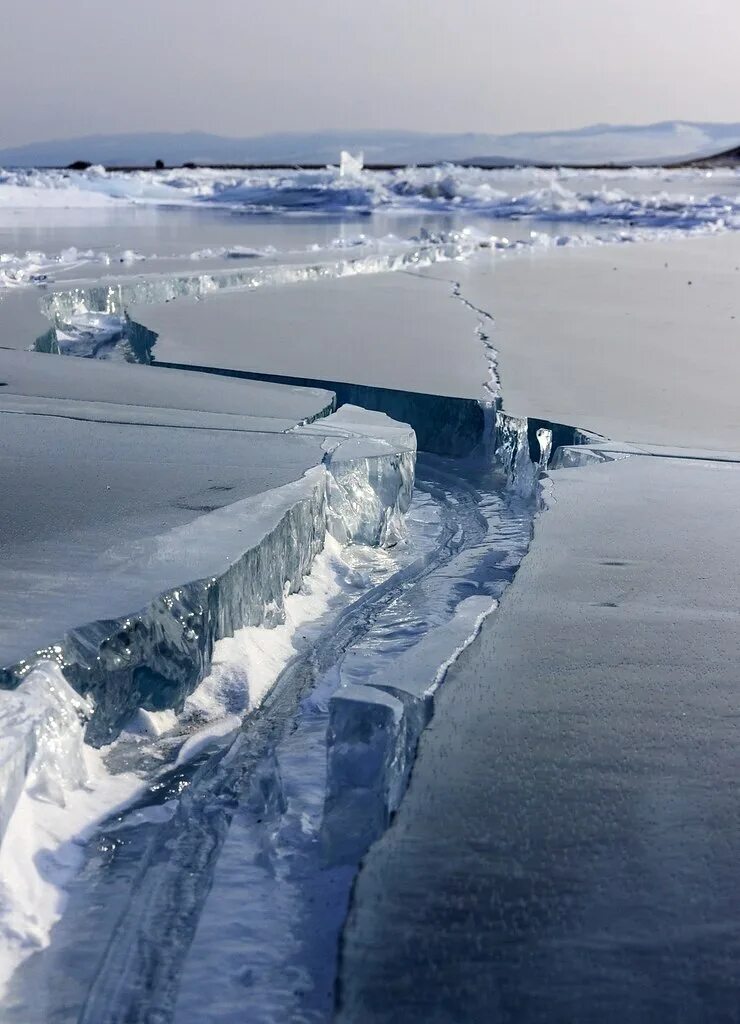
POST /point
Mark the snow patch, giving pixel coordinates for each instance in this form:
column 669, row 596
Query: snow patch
column 246, row 665
column 54, row 790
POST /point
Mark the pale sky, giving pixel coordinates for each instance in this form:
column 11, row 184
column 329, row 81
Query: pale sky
column 244, row 67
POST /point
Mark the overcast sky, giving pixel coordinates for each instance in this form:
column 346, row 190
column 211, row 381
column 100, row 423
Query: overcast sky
column 241, row 67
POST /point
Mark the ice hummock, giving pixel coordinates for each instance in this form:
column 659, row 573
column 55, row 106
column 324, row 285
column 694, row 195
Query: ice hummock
column 350, row 166
column 632, row 201
column 41, row 740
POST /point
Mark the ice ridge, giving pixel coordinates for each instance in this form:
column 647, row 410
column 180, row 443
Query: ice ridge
column 156, row 656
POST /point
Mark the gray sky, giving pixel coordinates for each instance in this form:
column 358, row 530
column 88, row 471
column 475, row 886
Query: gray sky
column 241, row 67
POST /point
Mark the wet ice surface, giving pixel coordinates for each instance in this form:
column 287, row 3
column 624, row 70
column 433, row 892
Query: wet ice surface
column 568, row 847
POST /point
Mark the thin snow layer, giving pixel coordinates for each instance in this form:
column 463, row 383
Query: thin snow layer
column 60, row 788
column 638, row 198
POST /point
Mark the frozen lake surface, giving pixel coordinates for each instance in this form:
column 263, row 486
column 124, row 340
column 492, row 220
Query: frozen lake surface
column 381, row 330
column 568, row 848
column 264, row 605
column 638, row 343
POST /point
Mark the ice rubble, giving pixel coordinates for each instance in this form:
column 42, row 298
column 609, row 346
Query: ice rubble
column 391, row 251
column 64, row 307
column 350, row 166
column 654, row 198
column 41, row 740
column 34, row 268
column 370, row 479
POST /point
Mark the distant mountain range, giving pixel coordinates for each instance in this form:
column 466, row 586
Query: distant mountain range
column 602, row 143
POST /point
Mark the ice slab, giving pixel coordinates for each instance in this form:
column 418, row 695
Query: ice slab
column 370, row 461
column 386, row 330
column 636, row 342
column 100, row 518
column 132, row 533
column 568, row 847
column 597, row 451
column 374, row 729
column 193, row 396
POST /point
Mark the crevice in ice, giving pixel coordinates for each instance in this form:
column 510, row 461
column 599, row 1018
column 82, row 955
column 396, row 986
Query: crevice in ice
column 375, row 724
column 483, row 332
column 443, row 425
column 256, row 806
column 371, row 724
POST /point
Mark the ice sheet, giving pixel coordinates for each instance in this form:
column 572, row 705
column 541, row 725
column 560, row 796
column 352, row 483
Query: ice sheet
column 32, row 375
column 127, row 454
column 569, row 846
column 638, row 343
column 389, row 330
